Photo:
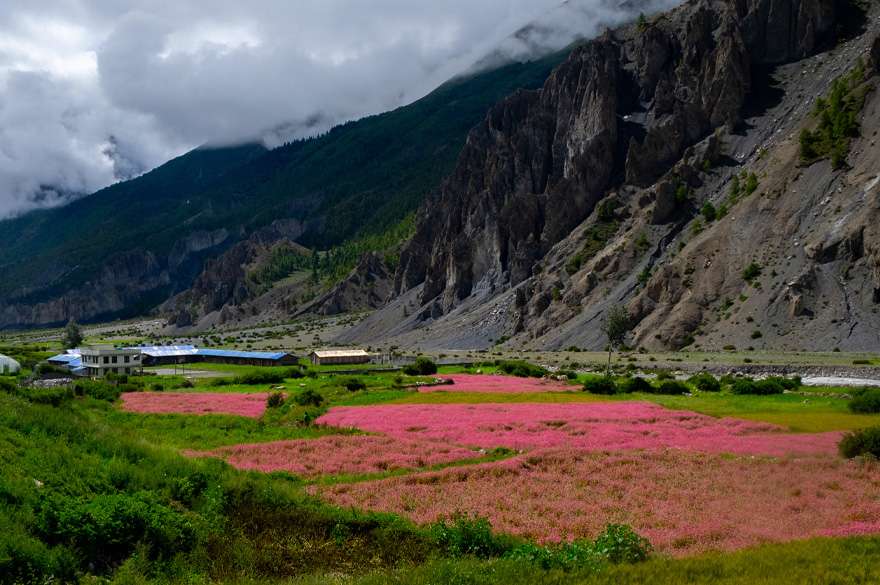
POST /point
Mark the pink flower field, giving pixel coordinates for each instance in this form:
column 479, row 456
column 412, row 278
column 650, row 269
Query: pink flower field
column 585, row 426
column 250, row 405
column 684, row 503
column 337, row 454
column 498, row 384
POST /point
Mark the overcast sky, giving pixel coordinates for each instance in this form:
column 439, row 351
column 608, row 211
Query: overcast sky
column 92, row 91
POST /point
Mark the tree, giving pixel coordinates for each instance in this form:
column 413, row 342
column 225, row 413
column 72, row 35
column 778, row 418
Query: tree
column 615, row 327
column 73, row 336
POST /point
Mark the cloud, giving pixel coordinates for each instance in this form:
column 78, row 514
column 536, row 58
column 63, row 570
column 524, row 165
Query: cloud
column 95, row 92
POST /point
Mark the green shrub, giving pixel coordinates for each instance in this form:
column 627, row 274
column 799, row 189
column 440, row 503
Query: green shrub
column 866, row 401
column 49, row 396
column 616, row 544
column 259, row 377
column 579, row 555
column 709, row 212
column 861, row 442
column 521, row 369
column 421, row 367
column 604, row 386
column 672, row 387
column 838, row 120
column 469, row 536
column 751, row 272
column 353, row 384
column 308, row 397
column 635, row 384
column 275, row 400
column 705, row 382
column 619, row 543
column 665, row 375
column 792, row 383
column 757, row 387
column 103, row 390
column 106, row 529
column 294, row 373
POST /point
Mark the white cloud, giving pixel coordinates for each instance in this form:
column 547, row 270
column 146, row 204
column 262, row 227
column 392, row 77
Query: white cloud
column 93, row 91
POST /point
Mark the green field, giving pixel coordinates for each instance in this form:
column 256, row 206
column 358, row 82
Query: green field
column 89, row 491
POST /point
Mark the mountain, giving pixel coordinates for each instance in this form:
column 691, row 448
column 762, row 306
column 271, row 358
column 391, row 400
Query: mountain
column 681, row 167
column 127, row 248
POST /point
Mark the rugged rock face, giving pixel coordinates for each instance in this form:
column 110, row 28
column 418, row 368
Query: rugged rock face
column 121, row 283
column 621, row 110
column 368, row 286
column 710, row 228
column 224, row 278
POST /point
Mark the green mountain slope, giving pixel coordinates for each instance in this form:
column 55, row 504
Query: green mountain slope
column 361, row 177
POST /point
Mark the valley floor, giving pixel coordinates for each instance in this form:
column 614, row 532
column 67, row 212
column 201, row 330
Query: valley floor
column 381, row 477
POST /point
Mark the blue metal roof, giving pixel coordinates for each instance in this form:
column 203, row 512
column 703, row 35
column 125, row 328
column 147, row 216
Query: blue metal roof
column 166, row 350
column 66, row 358
column 257, row 355
column 189, row 350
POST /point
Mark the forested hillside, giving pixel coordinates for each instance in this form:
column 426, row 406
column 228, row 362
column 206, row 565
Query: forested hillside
column 132, row 245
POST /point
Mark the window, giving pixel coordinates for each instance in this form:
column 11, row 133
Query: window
column 106, row 359
column 114, row 359
column 127, row 359
column 127, row 370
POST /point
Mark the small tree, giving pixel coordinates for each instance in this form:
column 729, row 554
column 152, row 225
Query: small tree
column 72, row 334
column 615, row 327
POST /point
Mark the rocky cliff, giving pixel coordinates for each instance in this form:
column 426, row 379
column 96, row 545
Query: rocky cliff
column 593, row 191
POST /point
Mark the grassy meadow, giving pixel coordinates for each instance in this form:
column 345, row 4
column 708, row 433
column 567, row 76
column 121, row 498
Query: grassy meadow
column 90, row 492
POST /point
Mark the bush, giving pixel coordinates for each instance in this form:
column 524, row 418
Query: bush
column 861, row 442
column 672, row 387
column 866, row 401
column 50, row 396
column 757, row 387
column 616, row 544
column 275, row 400
column 257, row 377
column 569, row 375
column 521, row 369
column 792, row 383
column 102, row 390
column 107, row 528
column 604, row 386
column 308, row 397
column 421, row 367
column 705, row 382
column 353, row 384
column 665, row 375
column 635, row 384
column 469, row 536
column 621, row 544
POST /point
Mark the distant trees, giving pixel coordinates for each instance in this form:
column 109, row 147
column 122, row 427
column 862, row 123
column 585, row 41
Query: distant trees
column 73, row 336
column 616, row 327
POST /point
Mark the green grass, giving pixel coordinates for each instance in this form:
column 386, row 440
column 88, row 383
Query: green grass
column 808, row 414
column 850, row 561
column 82, row 492
column 203, row 432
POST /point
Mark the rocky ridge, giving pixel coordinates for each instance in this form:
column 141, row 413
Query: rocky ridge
column 588, row 193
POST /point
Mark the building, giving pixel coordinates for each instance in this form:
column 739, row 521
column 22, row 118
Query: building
column 99, row 361
column 325, row 357
column 8, row 366
column 161, row 355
